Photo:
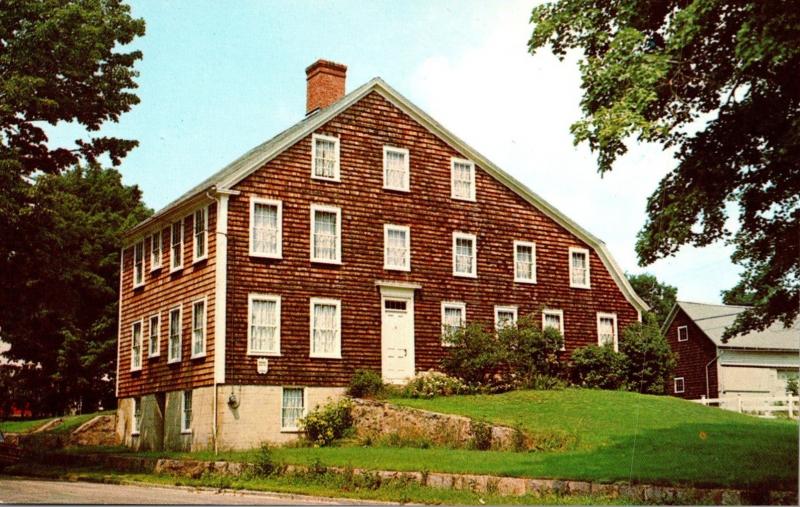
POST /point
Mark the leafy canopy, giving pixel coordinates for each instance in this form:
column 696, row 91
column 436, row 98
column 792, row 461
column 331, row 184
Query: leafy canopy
column 715, row 80
column 660, row 297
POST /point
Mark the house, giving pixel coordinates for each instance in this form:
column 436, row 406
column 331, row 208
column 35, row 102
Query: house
column 347, row 241
column 758, row 363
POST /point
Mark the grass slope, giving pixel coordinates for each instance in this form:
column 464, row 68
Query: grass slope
column 69, row 423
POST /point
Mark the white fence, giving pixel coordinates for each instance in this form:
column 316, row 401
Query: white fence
column 763, row 406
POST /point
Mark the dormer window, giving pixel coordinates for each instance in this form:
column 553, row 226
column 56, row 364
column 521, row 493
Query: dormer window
column 462, row 184
column 395, row 169
column 324, row 157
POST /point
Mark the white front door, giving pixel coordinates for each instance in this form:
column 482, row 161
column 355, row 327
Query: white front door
column 397, row 337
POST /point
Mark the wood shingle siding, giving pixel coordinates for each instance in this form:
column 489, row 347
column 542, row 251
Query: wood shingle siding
column 693, row 356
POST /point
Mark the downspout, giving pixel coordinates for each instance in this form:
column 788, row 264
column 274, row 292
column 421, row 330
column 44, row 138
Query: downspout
column 708, row 388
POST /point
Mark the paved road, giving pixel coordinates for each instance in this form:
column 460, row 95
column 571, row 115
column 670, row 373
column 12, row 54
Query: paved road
column 13, row 490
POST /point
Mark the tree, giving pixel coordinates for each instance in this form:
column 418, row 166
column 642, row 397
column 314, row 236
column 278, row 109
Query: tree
column 659, row 296
column 64, row 314
column 717, row 82
column 649, row 360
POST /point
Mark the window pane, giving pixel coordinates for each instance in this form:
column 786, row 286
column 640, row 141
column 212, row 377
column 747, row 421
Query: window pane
column 325, row 158
column 524, row 262
column 326, row 333
column 136, row 344
column 174, row 334
column 396, row 249
column 578, row 268
column 395, row 169
column 263, row 326
column 552, row 320
column 154, row 333
column 606, row 330
column 292, row 409
column 462, row 180
column 265, row 228
column 464, row 253
column 325, row 235
column 198, row 328
column 187, row 410
column 200, row 232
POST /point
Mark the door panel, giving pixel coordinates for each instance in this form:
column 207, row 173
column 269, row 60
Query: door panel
column 397, row 338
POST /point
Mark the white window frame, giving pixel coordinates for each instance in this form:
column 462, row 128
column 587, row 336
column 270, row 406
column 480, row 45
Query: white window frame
column 136, row 423
column 504, row 308
column 474, row 269
column 156, row 261
column 150, row 352
column 195, row 257
column 406, row 177
column 327, row 209
column 135, row 323
column 263, row 297
column 601, row 315
column 337, row 352
column 173, row 265
column 170, row 357
column 460, row 305
column 337, row 165
column 560, row 314
column 532, row 246
column 138, row 267
column 204, row 300
column 453, row 161
column 686, row 333
column 292, row 429
column 184, row 428
column 675, row 385
column 278, row 254
column 585, row 252
column 407, row 230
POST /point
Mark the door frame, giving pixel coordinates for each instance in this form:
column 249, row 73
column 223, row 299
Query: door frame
column 403, row 292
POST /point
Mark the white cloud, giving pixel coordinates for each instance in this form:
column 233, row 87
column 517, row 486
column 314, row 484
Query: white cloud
column 516, row 109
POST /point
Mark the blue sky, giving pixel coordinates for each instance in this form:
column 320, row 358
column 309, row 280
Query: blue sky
column 218, row 78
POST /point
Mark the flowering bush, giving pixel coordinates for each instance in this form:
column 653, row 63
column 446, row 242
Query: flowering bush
column 325, row 424
column 432, row 383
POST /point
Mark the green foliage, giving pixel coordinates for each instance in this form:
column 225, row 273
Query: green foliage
column 528, row 351
column 481, row 435
column 264, row 464
column 433, row 383
column 598, row 367
column 365, row 384
column 715, row 81
column 325, row 424
column 659, row 296
column 649, row 360
column 792, row 385
column 472, row 355
column 545, row 382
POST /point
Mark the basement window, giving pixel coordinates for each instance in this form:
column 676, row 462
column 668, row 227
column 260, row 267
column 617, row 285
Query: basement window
column 136, row 421
column 186, row 416
column 292, row 408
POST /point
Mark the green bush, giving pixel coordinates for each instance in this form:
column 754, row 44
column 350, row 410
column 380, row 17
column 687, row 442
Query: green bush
column 481, row 435
column 545, row 383
column 365, row 384
column 325, row 424
column 792, row 385
column 649, row 360
column 598, row 367
column 431, row 383
column 529, row 351
column 264, row 464
column 473, row 355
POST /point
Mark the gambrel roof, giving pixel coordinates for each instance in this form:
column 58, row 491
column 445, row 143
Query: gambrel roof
column 713, row 320
column 230, row 175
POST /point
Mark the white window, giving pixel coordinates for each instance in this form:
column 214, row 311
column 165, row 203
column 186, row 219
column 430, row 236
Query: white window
column 200, row 234
column 136, row 422
column 264, row 331
column 176, row 246
column 324, row 157
column 504, row 316
column 524, row 262
column 396, row 247
column 464, row 255
column 138, row 264
column 579, row 268
column 199, row 328
column 155, row 251
column 683, row 333
column 326, row 325
column 136, row 346
column 266, row 228
column 454, row 316
column 154, row 339
column 462, row 181
column 174, row 341
column 395, row 168
column 680, row 385
column 326, row 234
column 607, row 330
column 186, row 416
column 554, row 319
column 292, row 408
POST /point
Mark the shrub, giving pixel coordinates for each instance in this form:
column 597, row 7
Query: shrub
column 431, row 383
column 473, row 355
column 649, row 360
column 264, row 464
column 365, row 384
column 481, row 435
column 599, row 367
column 528, row 350
column 328, row 423
column 545, row 383
column 792, row 385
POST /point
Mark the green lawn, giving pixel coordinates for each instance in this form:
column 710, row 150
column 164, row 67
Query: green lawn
column 22, row 426
column 73, row 422
column 69, row 423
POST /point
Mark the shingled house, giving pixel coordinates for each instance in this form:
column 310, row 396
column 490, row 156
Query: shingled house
column 758, row 363
column 347, row 241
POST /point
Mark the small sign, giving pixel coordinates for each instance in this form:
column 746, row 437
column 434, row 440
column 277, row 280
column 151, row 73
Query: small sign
column 263, row 365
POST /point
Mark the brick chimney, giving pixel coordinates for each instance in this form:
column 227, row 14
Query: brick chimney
column 325, row 84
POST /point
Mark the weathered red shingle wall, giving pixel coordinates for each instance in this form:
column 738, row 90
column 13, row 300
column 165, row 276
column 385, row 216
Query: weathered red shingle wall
column 693, row 355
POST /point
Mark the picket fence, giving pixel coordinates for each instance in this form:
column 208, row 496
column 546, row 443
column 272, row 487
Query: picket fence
column 763, row 406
